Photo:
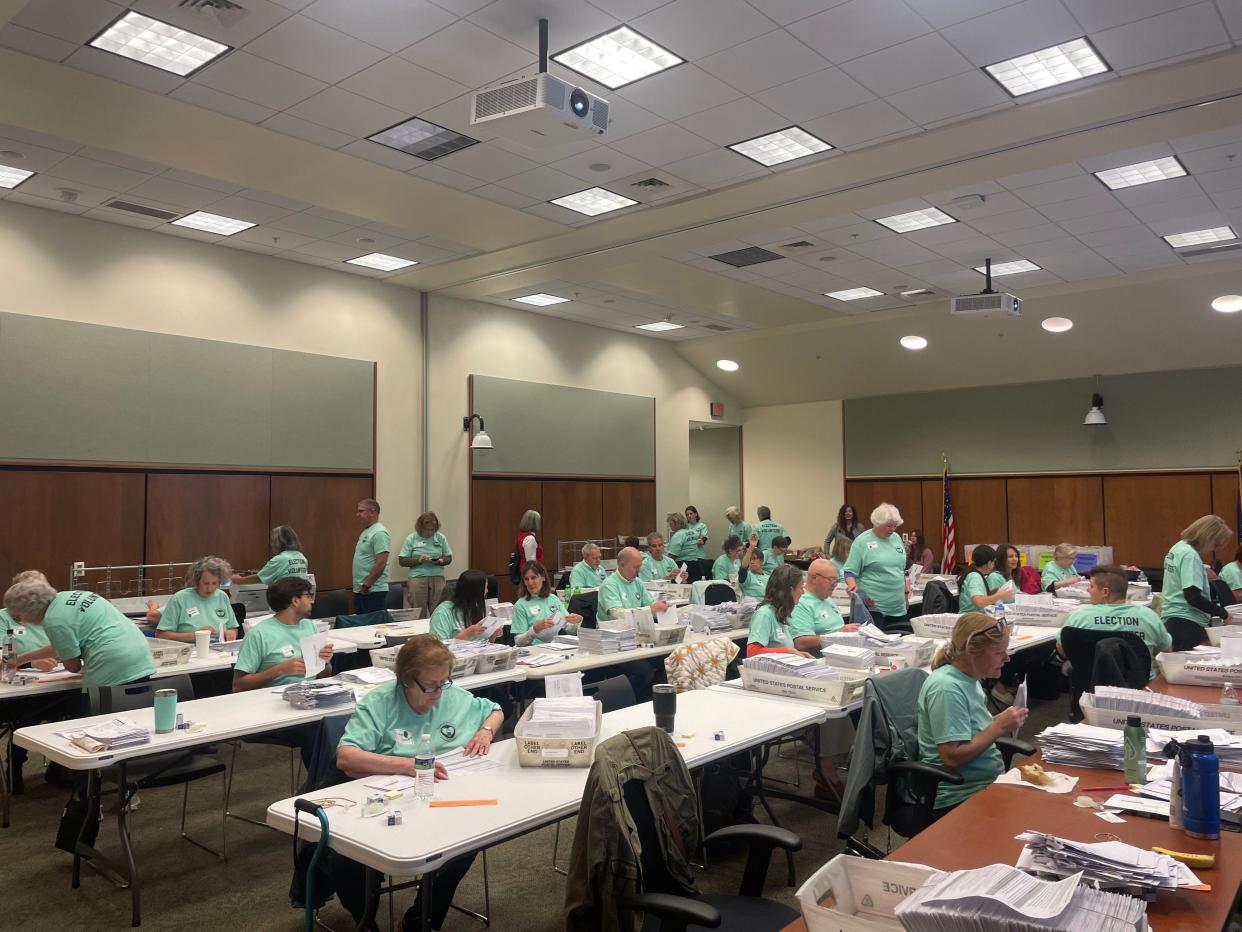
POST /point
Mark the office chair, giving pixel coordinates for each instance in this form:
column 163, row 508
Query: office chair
column 330, row 603
column 1094, row 662
column 585, row 604
column 718, row 593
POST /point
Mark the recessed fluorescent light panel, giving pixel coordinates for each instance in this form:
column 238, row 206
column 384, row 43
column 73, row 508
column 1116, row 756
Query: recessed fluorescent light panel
column 377, row 260
column 784, row 145
column 617, row 58
column 1200, row 237
column 916, row 220
column 213, row 223
column 160, row 45
column 1048, row 67
column 853, row 294
column 422, row 139
column 1008, row 268
column 11, row 177
column 1127, row 176
column 660, row 326
column 917, row 293
column 540, row 299
column 594, row 201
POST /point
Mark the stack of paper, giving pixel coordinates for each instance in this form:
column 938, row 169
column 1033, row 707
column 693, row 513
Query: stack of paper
column 564, row 642
column 456, row 762
column 1083, row 745
column 368, row 676
column 1228, row 746
column 119, row 732
column 501, row 610
column 227, row 647
column 1159, row 786
column 561, row 718
column 318, row 694
column 606, row 640
column 538, row 660
column 849, row 658
column 789, row 665
column 1144, row 702
column 846, row 638
column 877, row 636
column 709, row 618
column 1002, row 898
column 1108, row 864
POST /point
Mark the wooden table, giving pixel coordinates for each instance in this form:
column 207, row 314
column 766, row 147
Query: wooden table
column 1209, row 695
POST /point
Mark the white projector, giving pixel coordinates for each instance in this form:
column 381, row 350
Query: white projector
column 540, row 111
column 986, row 306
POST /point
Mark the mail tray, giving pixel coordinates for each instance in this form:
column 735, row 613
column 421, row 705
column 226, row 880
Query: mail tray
column 934, row 626
column 493, row 661
column 557, row 753
column 862, row 894
column 1186, row 669
column 840, row 689
column 166, row 653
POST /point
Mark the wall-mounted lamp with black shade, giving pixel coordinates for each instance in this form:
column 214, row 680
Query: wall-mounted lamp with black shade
column 481, row 443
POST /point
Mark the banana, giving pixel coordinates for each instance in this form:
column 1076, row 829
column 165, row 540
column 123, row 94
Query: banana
column 1201, row 861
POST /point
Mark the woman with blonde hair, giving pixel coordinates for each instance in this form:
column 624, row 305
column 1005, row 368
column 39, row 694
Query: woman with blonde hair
column 682, row 546
column 1188, row 607
column 1059, row 572
column 955, row 729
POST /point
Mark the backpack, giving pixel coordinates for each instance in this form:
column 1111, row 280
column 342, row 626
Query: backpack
column 515, row 567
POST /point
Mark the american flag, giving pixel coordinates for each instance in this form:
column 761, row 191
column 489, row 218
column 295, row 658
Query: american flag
column 947, row 541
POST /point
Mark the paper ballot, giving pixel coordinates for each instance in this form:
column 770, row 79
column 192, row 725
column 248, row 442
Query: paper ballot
column 563, row 686
column 1020, row 702
column 669, row 616
column 490, row 623
column 311, row 645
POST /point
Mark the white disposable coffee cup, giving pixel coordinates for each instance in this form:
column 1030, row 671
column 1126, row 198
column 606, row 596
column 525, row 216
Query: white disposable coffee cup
column 202, row 643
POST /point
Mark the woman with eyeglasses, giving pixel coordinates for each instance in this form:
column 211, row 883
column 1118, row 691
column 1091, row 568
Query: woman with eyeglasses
column 381, row 738
column 460, row 618
column 955, row 729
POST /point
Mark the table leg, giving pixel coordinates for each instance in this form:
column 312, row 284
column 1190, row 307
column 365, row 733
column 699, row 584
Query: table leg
column 424, row 897
column 122, row 824
column 6, row 770
column 370, row 899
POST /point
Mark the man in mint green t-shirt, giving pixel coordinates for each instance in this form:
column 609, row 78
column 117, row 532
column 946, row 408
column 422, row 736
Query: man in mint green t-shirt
column 1109, row 611
column 816, row 613
column 370, row 569
column 271, row 652
column 586, row 573
column 623, row 589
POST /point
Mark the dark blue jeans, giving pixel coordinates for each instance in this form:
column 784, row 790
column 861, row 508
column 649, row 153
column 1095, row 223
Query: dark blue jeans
column 369, row 602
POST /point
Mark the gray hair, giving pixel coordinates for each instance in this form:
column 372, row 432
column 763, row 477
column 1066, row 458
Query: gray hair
column 29, row 599
column 733, row 513
column 675, row 520
column 530, row 521
column 653, row 537
column 885, row 513
column 285, row 538
column 370, row 504
column 587, row 548
column 216, row 566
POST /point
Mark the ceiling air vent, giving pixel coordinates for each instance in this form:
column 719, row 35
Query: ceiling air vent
column 719, row 328
column 800, row 244
column 751, row 255
column 650, row 184
column 144, row 211
column 1209, row 250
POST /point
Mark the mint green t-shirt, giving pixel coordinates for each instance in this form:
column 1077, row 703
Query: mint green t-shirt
column 617, row 593
column 529, row 610
column 271, row 642
column 1054, row 573
column 972, row 585
column 996, row 580
column 839, row 565
column 1183, row 567
column 25, row 637
column 682, row 545
column 725, row 566
column 112, row 647
column 771, row 560
column 433, row 547
column 697, row 530
column 1123, row 616
column 952, row 708
column 187, row 611
column 879, row 563
column 1231, row 573
column 285, row 564
column 767, row 530
column 741, row 530
column 582, row 576
column 813, row 615
column 384, row 723
column 755, row 584
column 447, row 623
column 373, row 541
column 656, row 569
column 766, row 631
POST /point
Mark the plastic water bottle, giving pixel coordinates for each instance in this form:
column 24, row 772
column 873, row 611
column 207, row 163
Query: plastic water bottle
column 1135, row 750
column 1200, row 788
column 425, row 768
column 8, row 662
column 1177, row 799
column 1229, row 695
column 1142, row 577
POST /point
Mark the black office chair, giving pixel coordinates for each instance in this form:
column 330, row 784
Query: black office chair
column 564, row 580
column 175, row 768
column 585, row 604
column 493, row 589
column 718, row 593
column 396, row 595
column 366, row 618
column 698, row 569
column 937, row 599
column 1094, row 662
column 613, row 693
column 239, row 612
column 330, row 603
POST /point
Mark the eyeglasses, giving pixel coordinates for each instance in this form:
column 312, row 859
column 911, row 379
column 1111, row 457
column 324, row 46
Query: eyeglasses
column 438, row 687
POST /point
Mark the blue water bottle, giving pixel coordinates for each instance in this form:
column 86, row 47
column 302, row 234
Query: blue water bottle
column 1200, row 788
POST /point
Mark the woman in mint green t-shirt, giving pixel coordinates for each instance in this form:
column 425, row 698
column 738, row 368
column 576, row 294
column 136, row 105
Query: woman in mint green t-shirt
column 1231, row 573
column 201, row 606
column 698, row 531
column 426, row 552
column 287, row 560
column 534, row 612
column 1188, row 608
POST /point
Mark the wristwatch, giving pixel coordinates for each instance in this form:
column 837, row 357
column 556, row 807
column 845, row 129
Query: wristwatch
column 489, row 729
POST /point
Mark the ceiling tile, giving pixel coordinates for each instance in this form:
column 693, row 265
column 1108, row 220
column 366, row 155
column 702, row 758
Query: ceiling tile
column 1084, row 206
column 49, row 187
column 941, row 13
column 1130, row 234
column 815, row 95
column 1027, row 235
column 558, row 214
column 249, row 77
column 439, row 174
column 696, row 28
column 279, row 240
column 996, row 200
column 1217, row 158
column 455, row 115
column 950, row 97
column 858, row 233
column 1173, row 211
column 99, row 174
column 735, row 121
column 1210, row 139
column 1144, row 262
column 629, row 119
column 544, row 183
column 468, row 54
column 76, row 21
column 1109, row 220
column 1082, row 266
column 403, row 85
column 973, row 251
column 304, row 129
column 337, row 216
column 1041, row 176
column 858, row 125
column 1050, row 192
column 1097, row 15
column 1232, row 11
column 664, row 144
column 267, row 197
column 305, row 224
column 898, row 254
column 266, row 249
column 176, row 193
column 486, row 162
column 910, row 64
column 347, row 113
column 1170, row 35
column 375, row 241
column 121, row 160
column 1226, row 180
column 1157, row 191
column 312, row 48
column 326, row 249
column 763, row 62
column 242, row 208
column 626, row 10
column 34, row 158
column 679, row 92
column 787, row 11
column 121, row 217
column 579, row 166
column 941, row 234
column 494, row 192
column 572, row 22
column 1014, row 30
column 107, row 65
column 859, row 27
column 383, row 155
column 261, row 15
column 1021, row 219
column 35, row 43
column 210, row 99
column 386, row 24
column 715, row 168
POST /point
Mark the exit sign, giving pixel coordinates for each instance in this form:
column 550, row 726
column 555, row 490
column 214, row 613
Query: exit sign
column 717, row 409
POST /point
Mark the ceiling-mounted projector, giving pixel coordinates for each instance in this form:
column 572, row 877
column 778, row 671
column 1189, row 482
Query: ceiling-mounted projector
column 986, row 306
column 540, row 111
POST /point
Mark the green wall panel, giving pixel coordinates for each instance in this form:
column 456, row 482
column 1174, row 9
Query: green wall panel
column 320, row 401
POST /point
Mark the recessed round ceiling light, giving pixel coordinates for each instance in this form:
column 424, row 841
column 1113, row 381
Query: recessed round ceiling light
column 1057, row 324
column 728, row 365
column 913, row 342
column 1228, row 303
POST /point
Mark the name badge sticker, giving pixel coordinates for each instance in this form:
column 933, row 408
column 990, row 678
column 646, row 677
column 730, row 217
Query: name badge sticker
column 286, row 650
column 192, row 612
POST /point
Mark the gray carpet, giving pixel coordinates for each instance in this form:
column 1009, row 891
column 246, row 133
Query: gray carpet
column 185, row 887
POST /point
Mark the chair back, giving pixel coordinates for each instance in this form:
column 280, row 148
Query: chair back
column 719, row 592
column 323, row 771
column 614, row 693
column 1221, row 592
column 563, row 582
column 654, row 874
column 330, row 602
column 585, row 604
column 366, row 618
column 105, row 700
column 698, row 569
column 239, row 612
column 396, row 595
column 1080, row 646
column 937, row 599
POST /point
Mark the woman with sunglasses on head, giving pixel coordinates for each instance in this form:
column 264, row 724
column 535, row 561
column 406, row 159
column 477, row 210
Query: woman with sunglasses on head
column 955, row 728
column 381, row 738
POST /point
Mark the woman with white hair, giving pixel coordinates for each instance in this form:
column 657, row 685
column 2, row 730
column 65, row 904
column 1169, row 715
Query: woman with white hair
column 587, row 573
column 89, row 634
column 201, row 606
column 876, row 568
column 526, row 543
column 737, row 525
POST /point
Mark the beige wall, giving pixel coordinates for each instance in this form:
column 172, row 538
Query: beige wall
column 470, row 337
column 792, row 462
column 715, row 479
column 60, row 266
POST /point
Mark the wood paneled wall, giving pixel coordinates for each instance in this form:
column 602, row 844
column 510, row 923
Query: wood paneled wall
column 572, row 509
column 53, row 517
column 1138, row 515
